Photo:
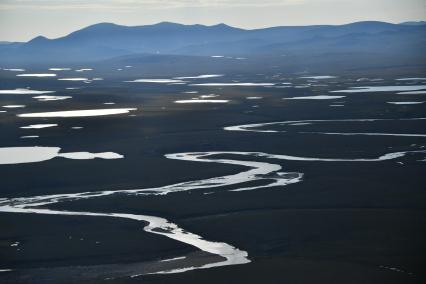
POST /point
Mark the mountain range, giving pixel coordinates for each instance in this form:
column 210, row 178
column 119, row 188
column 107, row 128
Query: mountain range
column 105, row 41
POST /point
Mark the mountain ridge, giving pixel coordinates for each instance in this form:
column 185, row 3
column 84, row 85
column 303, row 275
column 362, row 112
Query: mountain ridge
column 107, row 40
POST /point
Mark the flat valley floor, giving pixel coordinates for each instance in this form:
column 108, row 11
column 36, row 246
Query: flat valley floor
column 233, row 178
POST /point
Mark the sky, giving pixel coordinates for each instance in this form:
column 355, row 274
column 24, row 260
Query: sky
column 22, row 20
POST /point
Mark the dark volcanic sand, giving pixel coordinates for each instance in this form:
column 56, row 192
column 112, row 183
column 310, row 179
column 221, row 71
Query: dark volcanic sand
column 346, row 222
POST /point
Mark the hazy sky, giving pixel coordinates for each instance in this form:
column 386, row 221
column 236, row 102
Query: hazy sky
column 21, row 20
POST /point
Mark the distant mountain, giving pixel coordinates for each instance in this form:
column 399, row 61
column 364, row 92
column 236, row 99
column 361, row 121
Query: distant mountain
column 414, row 23
column 106, row 40
column 10, row 43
